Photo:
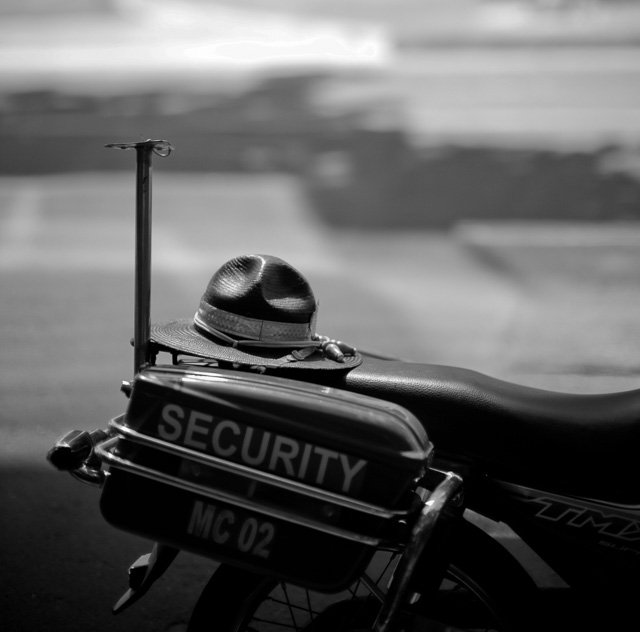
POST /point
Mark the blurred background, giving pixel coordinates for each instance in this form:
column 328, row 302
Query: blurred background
column 458, row 179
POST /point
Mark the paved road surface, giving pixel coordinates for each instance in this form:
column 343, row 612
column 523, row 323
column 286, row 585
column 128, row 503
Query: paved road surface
column 545, row 306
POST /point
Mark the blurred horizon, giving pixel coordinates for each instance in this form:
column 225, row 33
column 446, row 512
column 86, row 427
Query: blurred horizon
column 376, row 105
column 193, row 36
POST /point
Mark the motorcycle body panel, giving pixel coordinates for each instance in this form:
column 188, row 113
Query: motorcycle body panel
column 594, row 546
column 559, row 469
column 581, row 445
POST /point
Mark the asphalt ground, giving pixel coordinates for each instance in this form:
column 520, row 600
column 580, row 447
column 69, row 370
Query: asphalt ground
column 556, row 306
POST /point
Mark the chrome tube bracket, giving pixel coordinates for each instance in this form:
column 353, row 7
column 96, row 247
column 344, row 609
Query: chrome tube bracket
column 333, row 502
column 75, row 453
column 447, row 491
column 90, row 475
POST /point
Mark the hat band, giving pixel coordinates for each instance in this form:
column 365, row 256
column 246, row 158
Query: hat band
column 253, row 330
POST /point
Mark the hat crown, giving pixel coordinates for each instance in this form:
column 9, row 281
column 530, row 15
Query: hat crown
column 262, row 287
column 258, row 297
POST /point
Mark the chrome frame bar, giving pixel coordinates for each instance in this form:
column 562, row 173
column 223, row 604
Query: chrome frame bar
column 256, row 475
column 90, row 475
column 420, row 534
column 113, row 460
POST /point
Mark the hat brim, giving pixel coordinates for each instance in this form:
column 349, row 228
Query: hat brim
column 181, row 336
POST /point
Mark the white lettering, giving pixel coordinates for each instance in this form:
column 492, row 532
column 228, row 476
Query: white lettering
column 259, row 448
column 267, row 531
column 173, row 433
column 194, row 428
column 262, row 452
column 248, row 535
column 304, row 463
column 201, row 517
column 325, row 455
column 284, row 450
column 349, row 471
column 215, row 439
column 219, row 533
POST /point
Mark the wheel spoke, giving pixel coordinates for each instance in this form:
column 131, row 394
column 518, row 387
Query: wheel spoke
column 354, row 589
column 271, row 622
column 310, row 609
column 291, row 605
column 288, row 601
column 284, row 606
column 392, row 558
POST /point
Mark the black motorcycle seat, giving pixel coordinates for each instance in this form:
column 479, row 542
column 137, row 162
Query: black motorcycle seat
column 587, row 444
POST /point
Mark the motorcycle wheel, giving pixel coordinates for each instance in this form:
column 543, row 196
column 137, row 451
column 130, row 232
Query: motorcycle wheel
column 484, row 589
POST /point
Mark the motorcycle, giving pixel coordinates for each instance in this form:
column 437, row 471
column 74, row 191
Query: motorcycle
column 359, row 509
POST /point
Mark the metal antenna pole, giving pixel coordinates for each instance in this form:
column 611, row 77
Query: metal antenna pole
column 142, row 293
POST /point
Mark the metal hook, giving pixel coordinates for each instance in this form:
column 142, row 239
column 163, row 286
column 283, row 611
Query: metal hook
column 161, row 148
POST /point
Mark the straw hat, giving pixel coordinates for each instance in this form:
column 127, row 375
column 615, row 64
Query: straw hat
column 256, row 310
